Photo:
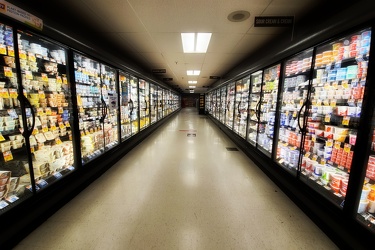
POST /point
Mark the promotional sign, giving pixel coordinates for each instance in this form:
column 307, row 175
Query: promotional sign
column 273, row 21
column 20, row 15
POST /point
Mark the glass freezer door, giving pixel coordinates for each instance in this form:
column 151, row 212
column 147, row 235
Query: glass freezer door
column 160, row 103
column 125, row 106
column 230, row 105
column 267, row 108
column 223, row 104
column 254, row 104
column 45, row 84
column 15, row 174
column 134, row 104
column 144, row 104
column 336, row 102
column 218, row 104
column 110, row 106
column 241, row 106
column 153, row 102
column 294, row 95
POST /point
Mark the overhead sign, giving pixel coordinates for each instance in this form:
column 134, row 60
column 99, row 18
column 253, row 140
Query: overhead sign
column 167, row 79
column 158, row 71
column 214, row 77
column 20, row 15
column 273, row 21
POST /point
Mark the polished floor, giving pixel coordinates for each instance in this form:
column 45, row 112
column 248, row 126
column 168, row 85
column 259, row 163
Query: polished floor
column 181, row 189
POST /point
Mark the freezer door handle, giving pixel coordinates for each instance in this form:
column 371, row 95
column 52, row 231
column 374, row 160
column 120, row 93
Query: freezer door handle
column 27, row 132
column 302, row 129
column 257, row 110
column 104, row 111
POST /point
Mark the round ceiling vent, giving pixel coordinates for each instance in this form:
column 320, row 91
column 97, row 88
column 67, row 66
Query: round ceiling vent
column 238, row 16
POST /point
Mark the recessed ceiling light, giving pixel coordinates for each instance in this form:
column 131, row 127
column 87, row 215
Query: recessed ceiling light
column 195, row 42
column 191, row 91
column 192, row 82
column 193, row 72
column 192, row 87
column 238, row 16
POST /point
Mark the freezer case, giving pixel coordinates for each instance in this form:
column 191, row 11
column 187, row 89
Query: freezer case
column 337, row 92
column 295, row 90
column 254, row 104
column 160, row 103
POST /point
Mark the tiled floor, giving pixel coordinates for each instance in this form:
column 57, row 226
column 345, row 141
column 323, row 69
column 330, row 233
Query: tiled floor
column 181, row 189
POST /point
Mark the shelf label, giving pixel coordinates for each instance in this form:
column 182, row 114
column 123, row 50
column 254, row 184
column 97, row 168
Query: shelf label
column 8, row 71
column 329, row 143
column 57, row 175
column 3, row 49
column 42, row 183
column 347, row 148
column 7, row 156
column 12, row 198
column 346, row 120
column 327, row 118
column 2, row 137
column 3, row 204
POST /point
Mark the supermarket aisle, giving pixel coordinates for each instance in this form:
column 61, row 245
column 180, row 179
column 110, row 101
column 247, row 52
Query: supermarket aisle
column 180, row 189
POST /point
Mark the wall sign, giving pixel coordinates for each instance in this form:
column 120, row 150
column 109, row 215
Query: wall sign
column 273, row 21
column 20, row 15
column 159, row 71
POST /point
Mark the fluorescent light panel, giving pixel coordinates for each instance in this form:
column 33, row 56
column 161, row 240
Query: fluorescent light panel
column 193, row 72
column 191, row 87
column 195, row 42
column 192, row 82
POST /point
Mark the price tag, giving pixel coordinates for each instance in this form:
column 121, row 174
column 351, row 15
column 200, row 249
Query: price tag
column 48, row 111
column 323, row 161
column 60, row 110
column 314, row 158
column 293, row 148
column 8, row 71
column 307, row 154
column 313, row 138
column 10, row 51
column 326, row 102
column 64, row 80
column 347, row 148
column 281, row 161
column 32, row 57
column 327, row 118
column 44, row 128
column 329, row 143
column 3, row 204
column 337, row 145
column 35, row 131
column 67, row 124
column 327, row 86
column 53, row 127
column 71, row 168
column 13, row 93
column 327, row 187
column 2, row 137
column 32, row 150
column 346, row 120
column 345, row 84
column 333, row 103
column 44, row 77
column 58, row 79
column 82, row 133
column 42, row 95
column 58, row 140
column 319, row 102
column 23, row 55
column 87, row 132
column 7, row 156
column 3, row 49
column 300, row 102
column 4, row 93
column 61, row 125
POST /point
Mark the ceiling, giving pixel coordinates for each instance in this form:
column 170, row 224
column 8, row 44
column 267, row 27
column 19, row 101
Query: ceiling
column 150, row 31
